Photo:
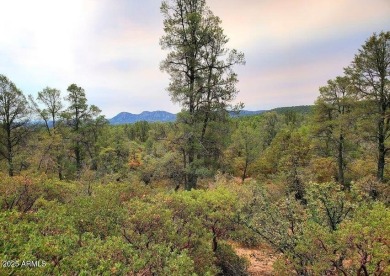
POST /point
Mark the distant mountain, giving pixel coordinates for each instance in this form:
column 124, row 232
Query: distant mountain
column 154, row 116
column 163, row 116
column 304, row 109
column 243, row 113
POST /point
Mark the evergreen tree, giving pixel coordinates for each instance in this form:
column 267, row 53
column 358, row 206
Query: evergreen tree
column 201, row 75
column 82, row 120
column 370, row 72
column 14, row 115
column 333, row 119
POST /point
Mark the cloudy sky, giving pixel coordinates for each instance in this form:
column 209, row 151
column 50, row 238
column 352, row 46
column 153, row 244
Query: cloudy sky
column 111, row 47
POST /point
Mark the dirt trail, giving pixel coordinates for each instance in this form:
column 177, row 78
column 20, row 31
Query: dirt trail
column 261, row 259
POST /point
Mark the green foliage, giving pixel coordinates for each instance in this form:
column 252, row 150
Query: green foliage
column 302, row 109
column 286, row 157
column 321, row 169
column 370, row 73
column 99, row 213
column 14, row 116
column 334, row 120
column 191, row 222
column 120, row 229
column 366, row 240
column 316, row 181
column 51, row 99
column 279, row 222
column 335, row 233
column 244, row 149
column 270, row 127
column 369, row 188
column 329, row 204
column 22, row 192
column 138, row 131
column 201, row 79
column 43, row 236
column 167, row 167
column 85, row 125
column 114, row 152
column 229, row 263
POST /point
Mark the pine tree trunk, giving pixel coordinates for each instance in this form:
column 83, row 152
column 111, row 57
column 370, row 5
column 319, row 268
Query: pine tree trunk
column 191, row 175
column 245, row 170
column 9, row 152
column 381, row 150
column 340, row 161
column 78, row 159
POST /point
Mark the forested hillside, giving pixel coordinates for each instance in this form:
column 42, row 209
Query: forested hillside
column 79, row 196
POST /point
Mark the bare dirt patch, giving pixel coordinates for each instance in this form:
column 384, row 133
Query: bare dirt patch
column 261, row 259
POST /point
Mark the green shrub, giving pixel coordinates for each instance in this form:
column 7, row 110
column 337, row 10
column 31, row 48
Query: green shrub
column 229, row 263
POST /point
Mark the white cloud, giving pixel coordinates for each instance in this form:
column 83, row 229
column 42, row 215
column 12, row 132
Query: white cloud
column 278, row 23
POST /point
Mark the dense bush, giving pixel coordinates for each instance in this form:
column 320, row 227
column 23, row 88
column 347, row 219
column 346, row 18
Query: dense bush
column 337, row 232
column 117, row 229
column 229, row 263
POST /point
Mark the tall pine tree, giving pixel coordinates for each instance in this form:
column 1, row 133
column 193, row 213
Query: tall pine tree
column 201, row 77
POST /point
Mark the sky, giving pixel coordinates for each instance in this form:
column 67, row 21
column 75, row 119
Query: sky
column 111, row 48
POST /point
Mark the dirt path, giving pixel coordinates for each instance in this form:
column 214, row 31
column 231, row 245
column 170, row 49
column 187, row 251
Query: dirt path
column 261, row 259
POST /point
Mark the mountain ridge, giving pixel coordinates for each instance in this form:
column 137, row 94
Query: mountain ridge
column 164, row 116
column 149, row 116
